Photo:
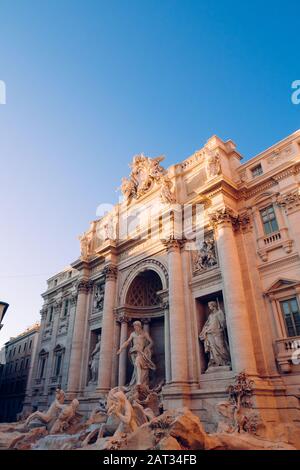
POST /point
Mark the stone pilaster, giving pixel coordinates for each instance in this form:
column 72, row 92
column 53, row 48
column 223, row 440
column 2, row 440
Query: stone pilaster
column 178, row 336
column 167, row 341
column 238, row 326
column 107, row 333
column 78, row 338
column 123, row 355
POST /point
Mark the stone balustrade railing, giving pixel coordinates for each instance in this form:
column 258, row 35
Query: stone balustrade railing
column 287, row 352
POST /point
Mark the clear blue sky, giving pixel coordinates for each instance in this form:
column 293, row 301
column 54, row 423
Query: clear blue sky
column 90, row 83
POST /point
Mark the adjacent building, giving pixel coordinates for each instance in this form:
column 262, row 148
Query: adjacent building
column 16, row 372
column 206, row 254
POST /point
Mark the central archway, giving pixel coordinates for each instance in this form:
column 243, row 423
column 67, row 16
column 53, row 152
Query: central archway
column 143, row 302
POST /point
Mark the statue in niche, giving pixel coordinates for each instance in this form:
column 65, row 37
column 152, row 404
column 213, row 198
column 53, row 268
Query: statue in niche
column 99, row 297
column 213, row 335
column 94, row 361
column 140, row 354
column 206, row 257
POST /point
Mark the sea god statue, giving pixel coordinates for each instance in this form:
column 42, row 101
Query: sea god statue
column 140, row 354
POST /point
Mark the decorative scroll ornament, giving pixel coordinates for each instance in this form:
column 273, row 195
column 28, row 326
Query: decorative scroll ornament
column 145, row 172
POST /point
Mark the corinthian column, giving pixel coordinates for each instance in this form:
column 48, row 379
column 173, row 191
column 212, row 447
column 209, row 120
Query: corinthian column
column 107, row 331
column 177, row 325
column 78, row 339
column 238, row 326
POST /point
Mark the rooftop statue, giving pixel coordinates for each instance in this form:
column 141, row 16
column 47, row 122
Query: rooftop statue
column 145, row 172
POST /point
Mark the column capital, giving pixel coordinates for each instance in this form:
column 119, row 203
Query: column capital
column 122, row 318
column 57, row 304
column 73, row 298
column 173, row 244
column 110, row 271
column 223, row 216
column 82, row 286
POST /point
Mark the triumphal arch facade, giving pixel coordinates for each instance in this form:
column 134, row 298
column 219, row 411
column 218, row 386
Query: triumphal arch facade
column 202, row 259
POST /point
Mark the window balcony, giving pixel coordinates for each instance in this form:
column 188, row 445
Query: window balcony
column 273, row 241
column 287, row 353
column 56, row 379
column 39, row 381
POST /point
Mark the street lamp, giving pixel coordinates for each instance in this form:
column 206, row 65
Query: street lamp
column 3, row 308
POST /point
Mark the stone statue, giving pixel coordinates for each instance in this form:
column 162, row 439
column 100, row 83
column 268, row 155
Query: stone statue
column 166, row 194
column 140, row 354
column 155, row 169
column 53, row 410
column 119, row 406
column 86, row 245
column 94, row 361
column 145, row 172
column 128, row 188
column 65, row 417
column 213, row 166
column 214, row 337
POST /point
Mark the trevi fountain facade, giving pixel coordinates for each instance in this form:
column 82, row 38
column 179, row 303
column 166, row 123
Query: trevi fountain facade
column 178, row 326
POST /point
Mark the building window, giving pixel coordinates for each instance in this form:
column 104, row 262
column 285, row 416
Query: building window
column 269, row 220
column 26, row 363
column 256, row 171
column 19, row 350
column 24, row 347
column 42, row 364
column 58, row 360
column 66, row 308
column 50, row 317
column 291, row 314
column 30, row 344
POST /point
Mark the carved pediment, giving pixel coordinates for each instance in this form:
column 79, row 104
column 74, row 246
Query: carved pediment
column 281, row 284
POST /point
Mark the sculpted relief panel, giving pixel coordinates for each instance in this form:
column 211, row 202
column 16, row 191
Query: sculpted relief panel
column 206, row 257
column 98, row 297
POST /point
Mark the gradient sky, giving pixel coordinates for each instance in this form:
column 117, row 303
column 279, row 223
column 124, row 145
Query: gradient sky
column 91, row 83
